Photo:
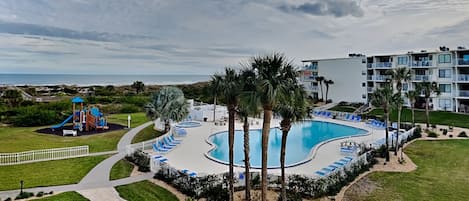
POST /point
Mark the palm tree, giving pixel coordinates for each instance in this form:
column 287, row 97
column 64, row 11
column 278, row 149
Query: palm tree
column 320, row 79
column 230, row 89
column 399, row 75
column 382, row 97
column 273, row 75
column 138, row 86
column 168, row 104
column 412, row 96
column 427, row 88
column 249, row 106
column 292, row 108
column 215, row 88
column 328, row 83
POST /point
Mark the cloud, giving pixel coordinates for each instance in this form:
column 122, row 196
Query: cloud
column 336, row 8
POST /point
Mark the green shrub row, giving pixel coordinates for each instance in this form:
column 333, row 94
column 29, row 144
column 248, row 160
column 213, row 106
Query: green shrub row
column 141, row 160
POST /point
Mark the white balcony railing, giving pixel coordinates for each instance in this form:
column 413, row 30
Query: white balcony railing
column 463, row 77
column 382, row 77
column 382, row 65
column 421, row 77
column 463, row 62
column 464, row 93
column 422, row 63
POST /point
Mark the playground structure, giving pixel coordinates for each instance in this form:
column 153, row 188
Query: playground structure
column 84, row 118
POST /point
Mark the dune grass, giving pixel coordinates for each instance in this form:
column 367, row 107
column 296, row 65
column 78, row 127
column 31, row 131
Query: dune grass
column 49, row 173
column 67, row 196
column 436, row 117
column 442, row 174
column 146, row 134
column 121, row 169
column 16, row 139
column 145, row 191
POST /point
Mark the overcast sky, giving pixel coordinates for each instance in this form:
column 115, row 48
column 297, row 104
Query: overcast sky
column 204, row 36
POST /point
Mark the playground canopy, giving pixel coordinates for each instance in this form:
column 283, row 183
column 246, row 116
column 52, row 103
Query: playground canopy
column 77, row 100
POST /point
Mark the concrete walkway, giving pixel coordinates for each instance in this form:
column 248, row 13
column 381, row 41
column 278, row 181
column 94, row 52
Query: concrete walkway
column 96, row 185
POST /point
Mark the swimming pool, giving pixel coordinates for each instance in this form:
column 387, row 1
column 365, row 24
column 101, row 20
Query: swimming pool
column 302, row 138
column 188, row 124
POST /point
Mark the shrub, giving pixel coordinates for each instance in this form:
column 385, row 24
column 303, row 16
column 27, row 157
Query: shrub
column 432, row 134
column 24, row 195
column 433, row 126
column 8, row 199
column 141, row 160
column 381, row 151
column 417, row 132
column 39, row 194
column 451, row 136
column 462, row 134
column 35, row 116
column 445, row 131
column 127, row 108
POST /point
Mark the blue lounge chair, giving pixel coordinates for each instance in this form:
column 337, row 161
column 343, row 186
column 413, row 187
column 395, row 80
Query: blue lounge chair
column 192, row 174
column 320, row 173
column 348, row 157
column 165, row 146
column 168, row 138
column 166, row 141
column 328, row 169
column 174, row 140
column 333, row 167
column 156, row 148
column 328, row 114
column 358, row 118
column 339, row 163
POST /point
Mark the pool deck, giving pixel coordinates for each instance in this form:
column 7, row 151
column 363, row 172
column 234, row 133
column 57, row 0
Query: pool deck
column 190, row 154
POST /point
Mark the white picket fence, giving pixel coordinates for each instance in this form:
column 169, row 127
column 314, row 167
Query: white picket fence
column 130, row 149
column 43, row 155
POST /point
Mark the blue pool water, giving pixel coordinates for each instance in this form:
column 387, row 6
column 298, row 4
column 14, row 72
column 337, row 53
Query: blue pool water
column 301, row 140
column 188, row 124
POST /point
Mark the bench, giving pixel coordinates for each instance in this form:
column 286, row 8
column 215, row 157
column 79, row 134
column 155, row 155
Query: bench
column 69, row 132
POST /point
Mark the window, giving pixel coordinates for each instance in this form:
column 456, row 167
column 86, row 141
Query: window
column 405, row 86
column 444, row 73
column 445, row 88
column 444, row 104
column 444, row 58
column 402, row 60
column 364, row 96
column 363, row 84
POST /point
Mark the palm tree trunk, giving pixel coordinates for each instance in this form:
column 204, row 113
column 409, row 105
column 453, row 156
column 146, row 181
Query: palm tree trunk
column 231, row 130
column 387, row 134
column 285, row 126
column 413, row 116
column 214, row 107
column 247, row 165
column 322, row 93
column 166, row 126
column 427, row 100
column 265, row 142
column 399, row 110
column 327, row 92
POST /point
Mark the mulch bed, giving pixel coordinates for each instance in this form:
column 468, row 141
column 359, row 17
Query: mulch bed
column 112, row 127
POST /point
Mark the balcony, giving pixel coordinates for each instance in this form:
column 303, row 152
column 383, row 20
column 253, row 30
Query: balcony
column 382, row 77
column 382, row 65
column 421, row 77
column 463, row 77
column 311, row 88
column 311, row 67
column 369, row 65
column 369, row 77
column 422, row 63
column 464, row 93
column 463, row 62
column 371, row 89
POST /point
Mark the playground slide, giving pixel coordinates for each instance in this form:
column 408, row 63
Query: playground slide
column 63, row 123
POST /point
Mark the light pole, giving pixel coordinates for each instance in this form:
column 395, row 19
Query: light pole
column 128, row 121
column 21, row 187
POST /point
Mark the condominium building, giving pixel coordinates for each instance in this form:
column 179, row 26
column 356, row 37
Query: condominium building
column 357, row 76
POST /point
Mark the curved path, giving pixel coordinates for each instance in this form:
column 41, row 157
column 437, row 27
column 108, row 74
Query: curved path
column 96, row 184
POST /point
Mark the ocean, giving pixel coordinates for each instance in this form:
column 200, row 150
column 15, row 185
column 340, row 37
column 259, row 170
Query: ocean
column 86, row 80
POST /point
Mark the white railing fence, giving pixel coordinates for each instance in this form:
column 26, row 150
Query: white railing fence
column 43, row 155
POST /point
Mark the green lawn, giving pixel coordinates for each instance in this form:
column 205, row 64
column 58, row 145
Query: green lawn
column 137, row 119
column 436, row 117
column 343, row 108
column 442, row 174
column 121, row 169
column 50, row 173
column 145, row 191
column 67, row 196
column 16, row 139
column 146, row 134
